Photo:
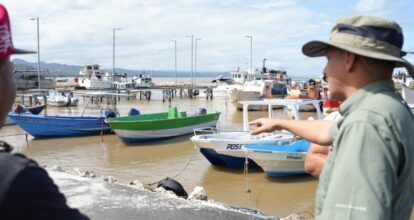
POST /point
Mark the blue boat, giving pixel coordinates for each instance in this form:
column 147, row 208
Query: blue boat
column 280, row 160
column 41, row 126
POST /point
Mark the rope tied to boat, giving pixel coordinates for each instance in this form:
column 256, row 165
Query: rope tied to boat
column 101, row 133
column 27, row 141
column 26, row 138
column 246, row 175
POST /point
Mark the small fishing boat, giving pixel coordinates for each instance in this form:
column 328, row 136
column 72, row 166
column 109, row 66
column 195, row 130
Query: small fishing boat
column 221, row 147
column 42, row 126
column 60, row 99
column 147, row 127
column 279, row 160
column 224, row 147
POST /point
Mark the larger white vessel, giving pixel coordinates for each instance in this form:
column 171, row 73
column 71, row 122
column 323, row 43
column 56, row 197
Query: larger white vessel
column 27, row 78
column 91, row 77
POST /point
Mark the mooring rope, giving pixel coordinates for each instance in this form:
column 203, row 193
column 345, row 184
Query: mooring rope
column 18, row 134
column 175, row 176
column 246, row 175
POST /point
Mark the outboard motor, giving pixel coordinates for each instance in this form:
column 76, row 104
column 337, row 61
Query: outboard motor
column 134, row 111
column 201, row 111
column 110, row 114
column 174, row 186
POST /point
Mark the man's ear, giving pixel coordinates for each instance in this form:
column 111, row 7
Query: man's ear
column 350, row 61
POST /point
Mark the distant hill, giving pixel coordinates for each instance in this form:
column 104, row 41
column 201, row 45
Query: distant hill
column 57, row 69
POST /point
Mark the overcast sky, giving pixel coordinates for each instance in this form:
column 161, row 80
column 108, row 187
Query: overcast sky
column 80, row 31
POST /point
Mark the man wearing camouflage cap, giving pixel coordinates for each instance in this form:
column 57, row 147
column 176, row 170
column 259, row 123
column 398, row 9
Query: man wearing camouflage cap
column 368, row 173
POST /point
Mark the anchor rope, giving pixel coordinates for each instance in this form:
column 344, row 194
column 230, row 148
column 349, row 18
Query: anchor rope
column 19, row 134
column 246, row 175
column 178, row 174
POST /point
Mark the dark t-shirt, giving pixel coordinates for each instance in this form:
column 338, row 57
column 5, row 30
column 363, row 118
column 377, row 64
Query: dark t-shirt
column 31, row 193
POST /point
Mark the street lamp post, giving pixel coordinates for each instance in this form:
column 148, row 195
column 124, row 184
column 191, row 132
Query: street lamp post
column 113, row 56
column 251, row 53
column 192, row 56
column 195, row 62
column 175, row 60
column 38, row 51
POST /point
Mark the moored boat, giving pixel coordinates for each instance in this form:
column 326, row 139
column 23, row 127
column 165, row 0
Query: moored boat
column 147, row 127
column 279, row 160
column 42, row 126
column 225, row 147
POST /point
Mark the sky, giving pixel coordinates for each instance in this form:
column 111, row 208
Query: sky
column 79, row 32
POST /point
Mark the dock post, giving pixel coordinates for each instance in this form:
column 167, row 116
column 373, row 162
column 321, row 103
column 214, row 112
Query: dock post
column 163, row 95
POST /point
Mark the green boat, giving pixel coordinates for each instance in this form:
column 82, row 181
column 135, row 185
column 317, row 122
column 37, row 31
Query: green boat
column 147, row 127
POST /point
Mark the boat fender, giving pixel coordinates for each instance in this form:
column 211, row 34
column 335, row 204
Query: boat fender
column 134, row 111
column 110, row 114
column 201, row 111
column 174, row 186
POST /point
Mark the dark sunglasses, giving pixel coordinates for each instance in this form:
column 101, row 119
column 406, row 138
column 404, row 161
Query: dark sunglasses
column 324, row 78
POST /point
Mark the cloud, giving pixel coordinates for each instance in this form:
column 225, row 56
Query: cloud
column 81, row 31
column 364, row 6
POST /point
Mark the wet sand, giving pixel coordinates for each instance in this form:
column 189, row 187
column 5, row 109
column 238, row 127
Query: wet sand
column 176, row 158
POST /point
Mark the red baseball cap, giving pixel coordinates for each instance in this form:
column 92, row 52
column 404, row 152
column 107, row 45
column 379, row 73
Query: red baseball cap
column 6, row 42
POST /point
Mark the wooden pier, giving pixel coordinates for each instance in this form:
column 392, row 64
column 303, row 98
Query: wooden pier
column 169, row 93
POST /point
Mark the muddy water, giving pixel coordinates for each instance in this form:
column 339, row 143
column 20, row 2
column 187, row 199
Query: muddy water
column 177, row 158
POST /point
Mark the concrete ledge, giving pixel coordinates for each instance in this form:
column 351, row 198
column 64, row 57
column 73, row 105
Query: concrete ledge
column 99, row 199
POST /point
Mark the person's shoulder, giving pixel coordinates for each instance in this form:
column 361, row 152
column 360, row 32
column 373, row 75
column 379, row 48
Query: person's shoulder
column 7, row 159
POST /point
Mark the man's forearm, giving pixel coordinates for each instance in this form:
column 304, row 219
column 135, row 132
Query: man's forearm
column 316, row 131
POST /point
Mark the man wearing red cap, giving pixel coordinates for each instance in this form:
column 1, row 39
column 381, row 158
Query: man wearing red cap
column 26, row 190
column 368, row 173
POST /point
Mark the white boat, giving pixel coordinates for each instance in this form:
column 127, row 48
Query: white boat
column 142, row 81
column 280, row 160
column 252, row 91
column 250, row 74
column 55, row 98
column 225, row 147
column 91, row 77
column 221, row 90
column 28, row 78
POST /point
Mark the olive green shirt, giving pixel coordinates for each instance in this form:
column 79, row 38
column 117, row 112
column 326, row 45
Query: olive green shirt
column 369, row 173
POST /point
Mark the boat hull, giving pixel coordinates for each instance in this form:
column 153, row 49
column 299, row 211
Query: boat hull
column 282, row 160
column 41, row 126
column 227, row 146
column 131, row 136
column 158, row 126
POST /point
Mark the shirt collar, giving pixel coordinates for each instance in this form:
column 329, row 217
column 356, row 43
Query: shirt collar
column 351, row 103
